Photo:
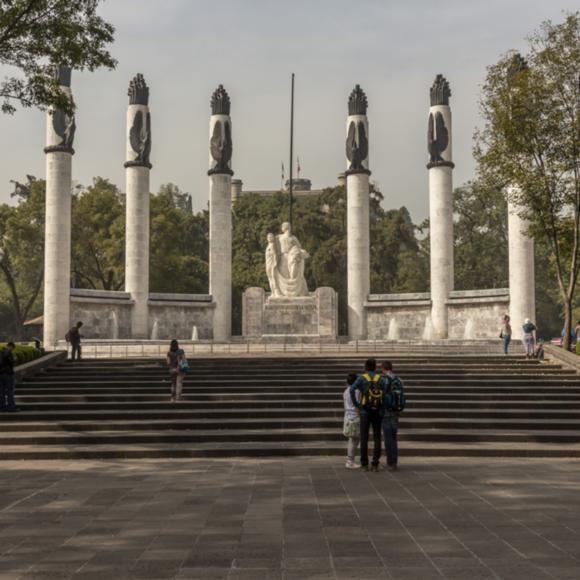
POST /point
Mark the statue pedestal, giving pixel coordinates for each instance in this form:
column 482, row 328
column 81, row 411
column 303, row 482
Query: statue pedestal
column 313, row 316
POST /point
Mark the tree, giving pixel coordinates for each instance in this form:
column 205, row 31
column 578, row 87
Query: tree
column 530, row 144
column 22, row 253
column 98, row 237
column 35, row 35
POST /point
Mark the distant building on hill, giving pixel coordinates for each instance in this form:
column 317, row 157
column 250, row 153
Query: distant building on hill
column 302, row 187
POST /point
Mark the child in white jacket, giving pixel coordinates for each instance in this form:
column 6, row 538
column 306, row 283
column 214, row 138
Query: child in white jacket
column 351, row 425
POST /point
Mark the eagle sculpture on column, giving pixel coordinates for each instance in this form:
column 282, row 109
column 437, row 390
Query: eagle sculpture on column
column 357, row 145
column 221, row 146
column 437, row 137
column 140, row 136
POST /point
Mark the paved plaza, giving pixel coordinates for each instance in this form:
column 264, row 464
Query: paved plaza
column 293, row 519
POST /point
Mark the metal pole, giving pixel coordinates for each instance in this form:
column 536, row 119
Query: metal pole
column 291, row 146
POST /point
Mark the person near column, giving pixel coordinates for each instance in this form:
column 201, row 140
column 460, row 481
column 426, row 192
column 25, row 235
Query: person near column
column 74, row 337
column 371, row 386
column 394, row 406
column 529, row 329
column 506, row 333
column 7, row 380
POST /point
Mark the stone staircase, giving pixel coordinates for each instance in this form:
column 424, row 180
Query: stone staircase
column 464, row 405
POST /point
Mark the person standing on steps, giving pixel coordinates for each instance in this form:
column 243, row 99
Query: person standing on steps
column 178, row 368
column 506, row 333
column 7, row 380
column 351, row 424
column 529, row 329
column 394, row 406
column 74, row 337
column 371, row 386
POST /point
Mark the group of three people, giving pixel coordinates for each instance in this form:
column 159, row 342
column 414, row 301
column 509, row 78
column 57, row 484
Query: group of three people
column 373, row 401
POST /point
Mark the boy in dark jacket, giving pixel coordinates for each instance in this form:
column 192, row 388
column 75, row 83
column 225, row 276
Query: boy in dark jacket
column 371, row 407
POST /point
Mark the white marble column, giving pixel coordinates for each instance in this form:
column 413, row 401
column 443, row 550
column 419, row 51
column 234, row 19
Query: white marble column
column 521, row 270
column 220, row 214
column 60, row 130
column 357, row 203
column 440, row 168
column 137, row 170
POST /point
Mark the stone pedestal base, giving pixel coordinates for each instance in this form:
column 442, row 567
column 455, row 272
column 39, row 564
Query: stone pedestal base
column 314, row 316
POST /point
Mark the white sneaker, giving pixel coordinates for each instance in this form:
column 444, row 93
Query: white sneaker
column 351, row 465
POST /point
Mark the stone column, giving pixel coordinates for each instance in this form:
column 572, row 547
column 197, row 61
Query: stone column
column 220, row 213
column 236, row 190
column 357, row 203
column 440, row 168
column 137, row 169
column 60, row 131
column 521, row 270
column 520, row 245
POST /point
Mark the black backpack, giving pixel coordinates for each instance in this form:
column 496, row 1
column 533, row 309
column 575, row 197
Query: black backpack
column 395, row 397
column 372, row 397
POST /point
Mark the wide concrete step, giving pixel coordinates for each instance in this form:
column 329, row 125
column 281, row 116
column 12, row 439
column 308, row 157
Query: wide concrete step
column 272, row 435
column 283, row 449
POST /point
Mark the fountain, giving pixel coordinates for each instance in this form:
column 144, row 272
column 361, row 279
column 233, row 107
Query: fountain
column 155, row 330
column 468, row 331
column 194, row 334
column 428, row 332
column 114, row 325
column 393, row 333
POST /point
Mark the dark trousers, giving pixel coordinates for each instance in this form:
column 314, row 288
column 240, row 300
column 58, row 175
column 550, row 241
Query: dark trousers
column 368, row 419
column 7, row 387
column 390, row 430
column 75, row 351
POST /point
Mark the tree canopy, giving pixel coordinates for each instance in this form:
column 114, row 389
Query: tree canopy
column 35, row 35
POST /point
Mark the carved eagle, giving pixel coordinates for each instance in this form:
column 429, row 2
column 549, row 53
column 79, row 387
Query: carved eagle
column 437, row 137
column 221, row 145
column 357, row 145
column 64, row 126
column 140, row 136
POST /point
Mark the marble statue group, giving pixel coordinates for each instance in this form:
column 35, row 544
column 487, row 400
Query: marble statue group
column 285, row 264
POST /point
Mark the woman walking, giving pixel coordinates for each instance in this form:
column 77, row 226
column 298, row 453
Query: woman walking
column 177, row 364
column 506, row 333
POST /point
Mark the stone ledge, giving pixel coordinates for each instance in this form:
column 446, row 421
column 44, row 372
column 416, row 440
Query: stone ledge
column 395, row 303
column 86, row 300
column 170, row 297
column 486, row 292
column 406, row 297
column 183, row 303
column 102, row 294
column 568, row 359
column 36, row 365
column 477, row 300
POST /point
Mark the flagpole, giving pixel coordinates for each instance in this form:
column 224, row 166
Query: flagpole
column 291, row 147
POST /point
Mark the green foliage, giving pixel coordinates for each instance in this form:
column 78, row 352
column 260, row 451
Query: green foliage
column 179, row 245
column 23, row 353
column 98, row 237
column 35, row 34
column 530, row 143
column 22, row 248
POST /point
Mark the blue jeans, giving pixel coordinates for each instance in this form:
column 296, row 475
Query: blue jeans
column 7, row 387
column 390, row 429
column 506, row 342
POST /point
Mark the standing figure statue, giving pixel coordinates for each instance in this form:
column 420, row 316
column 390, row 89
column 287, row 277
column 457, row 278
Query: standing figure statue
column 285, row 264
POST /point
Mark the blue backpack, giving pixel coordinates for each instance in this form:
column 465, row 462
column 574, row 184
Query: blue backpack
column 395, row 395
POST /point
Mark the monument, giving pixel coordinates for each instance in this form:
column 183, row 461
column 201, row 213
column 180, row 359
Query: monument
column 357, row 204
column 440, row 168
column 60, row 133
column 137, row 169
column 220, row 213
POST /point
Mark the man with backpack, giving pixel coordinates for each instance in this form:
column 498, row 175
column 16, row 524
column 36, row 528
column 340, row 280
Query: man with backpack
column 394, row 405
column 371, row 406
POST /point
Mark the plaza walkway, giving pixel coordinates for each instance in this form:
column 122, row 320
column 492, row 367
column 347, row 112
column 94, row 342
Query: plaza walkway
column 291, row 519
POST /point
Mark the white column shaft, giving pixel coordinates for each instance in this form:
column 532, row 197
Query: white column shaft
column 137, row 247
column 358, row 253
column 220, row 254
column 57, row 249
column 441, row 240
column 521, row 272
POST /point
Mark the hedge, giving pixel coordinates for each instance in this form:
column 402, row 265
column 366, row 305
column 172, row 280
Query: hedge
column 24, row 353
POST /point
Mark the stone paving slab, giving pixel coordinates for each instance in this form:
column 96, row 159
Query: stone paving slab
column 291, row 519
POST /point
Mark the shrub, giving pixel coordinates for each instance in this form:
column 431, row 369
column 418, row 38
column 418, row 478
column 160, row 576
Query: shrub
column 24, row 353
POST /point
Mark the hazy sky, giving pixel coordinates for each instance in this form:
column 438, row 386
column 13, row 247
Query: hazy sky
column 185, row 48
